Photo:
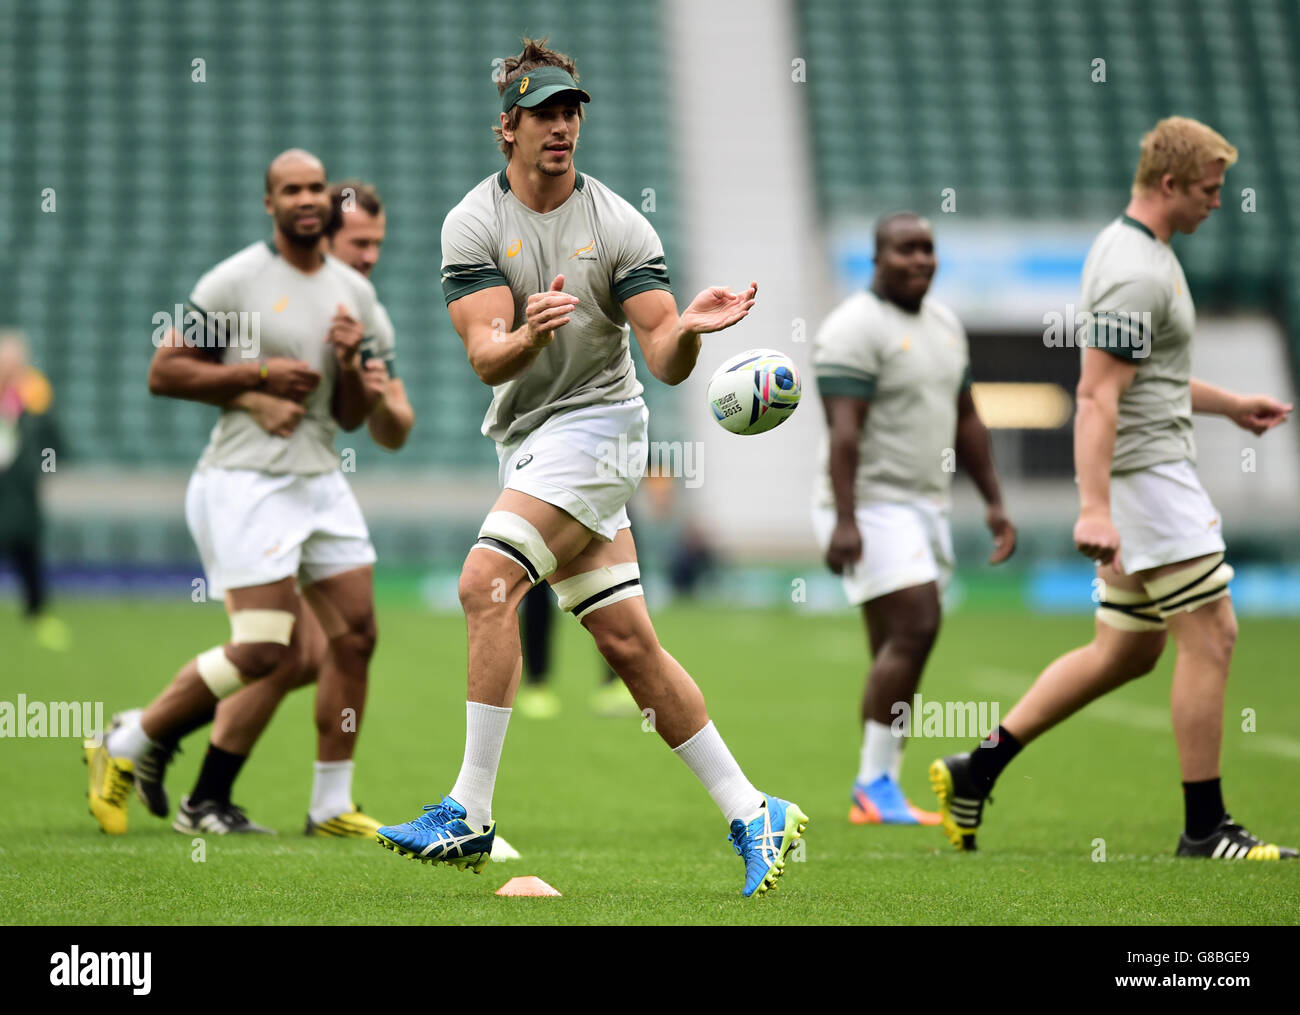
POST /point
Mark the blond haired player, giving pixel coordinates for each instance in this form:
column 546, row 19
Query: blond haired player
column 1143, row 516
column 543, row 269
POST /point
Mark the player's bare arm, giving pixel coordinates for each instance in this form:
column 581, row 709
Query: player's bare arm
column 845, row 416
column 391, row 420
column 1103, row 380
column 181, row 372
column 352, row 401
column 671, row 343
column 1256, row 413
column 498, row 355
column 975, row 455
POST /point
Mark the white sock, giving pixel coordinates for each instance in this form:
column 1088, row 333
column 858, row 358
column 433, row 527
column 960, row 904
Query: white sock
column 707, row 756
column 485, row 735
column 882, row 752
column 331, row 790
column 896, row 769
column 129, row 740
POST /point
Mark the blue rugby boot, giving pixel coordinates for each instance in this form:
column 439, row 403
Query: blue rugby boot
column 764, row 841
column 441, row 835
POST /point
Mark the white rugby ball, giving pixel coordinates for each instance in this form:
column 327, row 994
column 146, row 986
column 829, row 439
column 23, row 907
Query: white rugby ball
column 754, row 392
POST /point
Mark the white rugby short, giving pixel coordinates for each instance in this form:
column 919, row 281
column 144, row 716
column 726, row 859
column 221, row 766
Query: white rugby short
column 1163, row 516
column 585, row 461
column 254, row 528
column 904, row 543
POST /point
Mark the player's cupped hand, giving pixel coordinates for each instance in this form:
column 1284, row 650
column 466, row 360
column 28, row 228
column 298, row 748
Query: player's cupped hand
column 1098, row 539
column 548, row 311
column 1258, row 413
column 1004, row 534
column 345, row 335
column 290, row 378
column 374, row 379
column 717, row 308
column 846, row 546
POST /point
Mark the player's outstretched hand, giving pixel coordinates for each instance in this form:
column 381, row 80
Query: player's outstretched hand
column 548, row 311
column 1258, row 413
column 277, row 416
column 846, row 546
column 1097, row 538
column 345, row 335
column 1004, row 534
column 718, row 307
column 290, row 378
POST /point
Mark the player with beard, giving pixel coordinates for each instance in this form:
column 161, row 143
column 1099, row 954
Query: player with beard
column 270, row 512
column 355, row 237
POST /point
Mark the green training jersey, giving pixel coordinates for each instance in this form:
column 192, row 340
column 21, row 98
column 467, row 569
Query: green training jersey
column 1141, row 310
column 911, row 368
column 606, row 251
column 284, row 313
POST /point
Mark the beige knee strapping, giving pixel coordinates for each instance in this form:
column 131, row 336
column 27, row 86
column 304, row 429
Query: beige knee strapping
column 603, row 586
column 515, row 537
column 1127, row 610
column 1192, row 587
column 246, row 627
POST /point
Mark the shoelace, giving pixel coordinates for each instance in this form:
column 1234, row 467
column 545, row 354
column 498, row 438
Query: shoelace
column 434, row 814
column 739, row 840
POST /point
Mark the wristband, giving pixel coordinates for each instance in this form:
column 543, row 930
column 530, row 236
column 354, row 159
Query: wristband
column 263, row 372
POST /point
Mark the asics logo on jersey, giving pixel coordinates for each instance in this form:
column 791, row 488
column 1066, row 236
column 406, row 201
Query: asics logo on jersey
column 523, row 461
column 582, row 250
column 280, row 304
column 514, row 248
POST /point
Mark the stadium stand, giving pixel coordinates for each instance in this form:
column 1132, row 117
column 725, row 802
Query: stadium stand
column 156, row 162
column 908, row 99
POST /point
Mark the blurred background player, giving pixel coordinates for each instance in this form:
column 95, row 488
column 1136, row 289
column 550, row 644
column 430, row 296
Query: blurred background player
column 1143, row 514
column 28, row 437
column 893, row 370
column 355, row 236
column 269, row 511
column 563, row 384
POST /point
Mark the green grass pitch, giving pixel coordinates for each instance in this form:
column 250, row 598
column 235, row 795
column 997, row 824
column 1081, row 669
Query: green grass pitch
column 606, row 813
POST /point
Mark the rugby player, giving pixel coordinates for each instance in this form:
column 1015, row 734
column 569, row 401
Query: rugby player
column 270, row 512
column 1144, row 516
column 892, row 366
column 355, row 236
column 543, row 268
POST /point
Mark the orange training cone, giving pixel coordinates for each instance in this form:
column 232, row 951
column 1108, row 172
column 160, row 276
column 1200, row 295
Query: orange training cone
column 529, row 885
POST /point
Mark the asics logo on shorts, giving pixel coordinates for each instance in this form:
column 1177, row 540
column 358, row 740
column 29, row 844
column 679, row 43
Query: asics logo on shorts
column 523, row 461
